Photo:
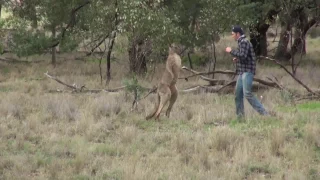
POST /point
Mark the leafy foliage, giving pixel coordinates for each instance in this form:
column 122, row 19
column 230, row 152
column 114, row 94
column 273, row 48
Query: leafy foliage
column 132, row 86
column 189, row 22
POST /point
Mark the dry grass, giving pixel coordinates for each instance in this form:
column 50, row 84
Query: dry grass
column 95, row 136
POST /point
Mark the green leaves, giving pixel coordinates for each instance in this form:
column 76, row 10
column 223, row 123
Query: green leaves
column 134, row 87
column 189, row 22
column 26, row 43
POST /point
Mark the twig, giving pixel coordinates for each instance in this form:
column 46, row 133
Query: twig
column 137, row 100
column 180, row 54
column 276, row 82
column 154, row 89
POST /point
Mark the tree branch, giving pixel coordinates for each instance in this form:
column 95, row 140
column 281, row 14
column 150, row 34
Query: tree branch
column 71, row 21
column 97, row 45
column 283, row 67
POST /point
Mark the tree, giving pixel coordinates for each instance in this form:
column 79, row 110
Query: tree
column 30, row 39
column 145, row 24
column 301, row 15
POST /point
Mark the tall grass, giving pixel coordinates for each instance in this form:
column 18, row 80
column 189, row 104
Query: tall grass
column 52, row 135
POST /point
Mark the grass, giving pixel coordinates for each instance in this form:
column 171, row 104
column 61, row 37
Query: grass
column 45, row 135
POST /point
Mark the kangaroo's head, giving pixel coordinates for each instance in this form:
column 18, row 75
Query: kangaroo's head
column 174, row 48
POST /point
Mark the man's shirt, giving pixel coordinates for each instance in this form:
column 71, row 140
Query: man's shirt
column 245, row 55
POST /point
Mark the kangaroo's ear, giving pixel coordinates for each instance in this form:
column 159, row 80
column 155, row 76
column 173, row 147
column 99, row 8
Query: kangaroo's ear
column 174, row 47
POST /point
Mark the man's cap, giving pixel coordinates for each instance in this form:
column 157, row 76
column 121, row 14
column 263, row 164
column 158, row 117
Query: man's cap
column 237, row 29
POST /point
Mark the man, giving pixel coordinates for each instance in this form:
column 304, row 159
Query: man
column 245, row 60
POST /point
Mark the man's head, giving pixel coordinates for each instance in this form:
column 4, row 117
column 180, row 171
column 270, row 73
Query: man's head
column 237, row 32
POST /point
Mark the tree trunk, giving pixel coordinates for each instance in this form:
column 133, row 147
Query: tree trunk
column 54, row 50
column 282, row 53
column 258, row 33
column 113, row 37
column 137, row 55
column 213, row 60
column 299, row 43
column 34, row 17
column 190, row 61
column 258, row 39
column 0, row 8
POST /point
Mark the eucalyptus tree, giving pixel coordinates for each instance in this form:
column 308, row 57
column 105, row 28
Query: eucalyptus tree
column 43, row 24
column 148, row 29
column 300, row 15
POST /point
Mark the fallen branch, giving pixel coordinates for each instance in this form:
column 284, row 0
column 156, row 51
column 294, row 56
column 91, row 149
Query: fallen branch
column 271, row 83
column 196, row 73
column 83, row 89
column 276, row 82
column 59, row 81
column 296, row 79
column 308, row 97
column 222, row 82
column 232, row 83
column 200, row 88
column 206, row 89
column 219, row 88
column 214, row 81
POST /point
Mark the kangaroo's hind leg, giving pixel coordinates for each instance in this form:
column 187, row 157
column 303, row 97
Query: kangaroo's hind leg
column 156, row 106
column 164, row 98
column 174, row 96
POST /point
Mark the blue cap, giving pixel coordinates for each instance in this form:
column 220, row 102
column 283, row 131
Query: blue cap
column 237, row 29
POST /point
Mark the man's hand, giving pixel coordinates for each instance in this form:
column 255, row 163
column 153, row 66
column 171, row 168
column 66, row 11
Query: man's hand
column 234, row 60
column 228, row 49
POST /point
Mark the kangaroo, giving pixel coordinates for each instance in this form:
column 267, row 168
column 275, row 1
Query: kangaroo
column 167, row 90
